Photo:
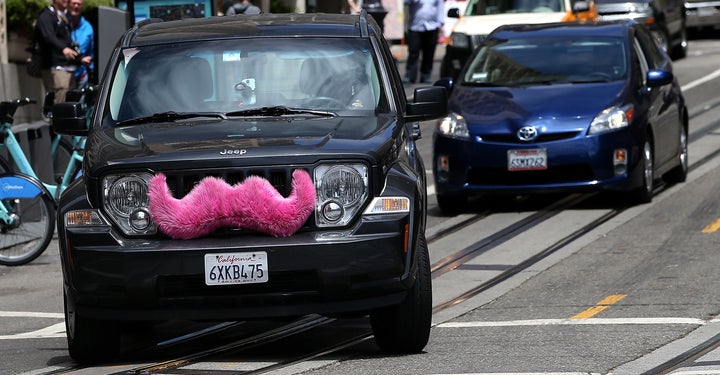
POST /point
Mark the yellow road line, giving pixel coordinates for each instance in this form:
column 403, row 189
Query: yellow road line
column 600, row 306
column 713, row 227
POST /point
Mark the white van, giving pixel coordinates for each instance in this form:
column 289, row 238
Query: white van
column 483, row 16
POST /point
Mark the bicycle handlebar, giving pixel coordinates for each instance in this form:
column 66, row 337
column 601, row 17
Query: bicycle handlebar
column 8, row 108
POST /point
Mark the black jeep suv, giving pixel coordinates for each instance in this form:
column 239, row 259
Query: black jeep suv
column 248, row 167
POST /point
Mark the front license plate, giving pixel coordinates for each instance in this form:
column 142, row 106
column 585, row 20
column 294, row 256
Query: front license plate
column 527, row 160
column 236, row 268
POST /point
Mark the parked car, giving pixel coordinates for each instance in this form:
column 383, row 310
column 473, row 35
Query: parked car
column 702, row 14
column 482, row 16
column 562, row 107
column 248, row 167
column 665, row 18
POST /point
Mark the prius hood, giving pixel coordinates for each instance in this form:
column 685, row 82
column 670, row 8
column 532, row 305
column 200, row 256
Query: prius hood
column 564, row 107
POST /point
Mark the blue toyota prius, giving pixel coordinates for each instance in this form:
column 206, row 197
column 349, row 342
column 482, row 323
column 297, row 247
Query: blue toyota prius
column 562, row 108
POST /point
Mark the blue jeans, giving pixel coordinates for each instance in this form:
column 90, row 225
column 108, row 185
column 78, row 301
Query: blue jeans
column 417, row 42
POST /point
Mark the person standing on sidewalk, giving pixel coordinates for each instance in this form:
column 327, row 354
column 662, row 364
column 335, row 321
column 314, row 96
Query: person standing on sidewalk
column 52, row 33
column 425, row 21
column 83, row 34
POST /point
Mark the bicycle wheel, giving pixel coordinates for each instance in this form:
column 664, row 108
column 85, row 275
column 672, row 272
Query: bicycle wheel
column 30, row 225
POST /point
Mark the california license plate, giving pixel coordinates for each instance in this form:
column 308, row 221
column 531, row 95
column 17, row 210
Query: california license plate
column 527, row 160
column 236, row 268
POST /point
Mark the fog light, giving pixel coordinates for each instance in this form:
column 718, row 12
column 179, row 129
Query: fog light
column 620, row 161
column 332, row 211
column 140, row 219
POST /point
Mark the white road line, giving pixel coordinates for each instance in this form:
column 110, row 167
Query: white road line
column 700, row 81
column 590, row 321
column 26, row 314
column 53, row 331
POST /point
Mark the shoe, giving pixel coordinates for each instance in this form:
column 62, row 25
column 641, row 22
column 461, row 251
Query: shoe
column 425, row 79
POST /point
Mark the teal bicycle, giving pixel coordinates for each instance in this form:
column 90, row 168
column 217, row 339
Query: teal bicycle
column 27, row 204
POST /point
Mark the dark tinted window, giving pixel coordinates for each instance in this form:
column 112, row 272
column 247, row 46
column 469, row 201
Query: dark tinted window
column 651, row 50
column 547, row 60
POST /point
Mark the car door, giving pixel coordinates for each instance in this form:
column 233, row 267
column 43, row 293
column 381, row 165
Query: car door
column 663, row 111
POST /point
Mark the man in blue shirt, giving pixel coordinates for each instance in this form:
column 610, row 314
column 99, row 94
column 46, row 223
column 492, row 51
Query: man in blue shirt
column 84, row 35
column 425, row 20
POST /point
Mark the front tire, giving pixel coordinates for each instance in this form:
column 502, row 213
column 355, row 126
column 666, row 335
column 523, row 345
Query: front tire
column 644, row 193
column 405, row 328
column 90, row 341
column 679, row 173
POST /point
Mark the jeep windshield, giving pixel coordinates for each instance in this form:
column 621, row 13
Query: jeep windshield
column 246, row 77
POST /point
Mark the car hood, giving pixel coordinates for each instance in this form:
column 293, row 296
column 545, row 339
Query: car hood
column 483, row 25
column 553, row 108
column 218, row 143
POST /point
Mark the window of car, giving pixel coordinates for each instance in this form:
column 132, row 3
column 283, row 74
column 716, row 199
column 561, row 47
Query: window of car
column 651, row 50
column 641, row 62
column 338, row 74
column 557, row 59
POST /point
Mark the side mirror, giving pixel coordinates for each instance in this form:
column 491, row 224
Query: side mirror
column 659, row 77
column 428, row 103
column 69, row 119
column 453, row 13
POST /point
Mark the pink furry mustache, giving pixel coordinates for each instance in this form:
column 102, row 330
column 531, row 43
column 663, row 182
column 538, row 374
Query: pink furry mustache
column 253, row 204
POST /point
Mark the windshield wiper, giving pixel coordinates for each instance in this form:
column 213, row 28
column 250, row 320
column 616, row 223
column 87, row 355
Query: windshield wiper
column 280, row 111
column 171, row 116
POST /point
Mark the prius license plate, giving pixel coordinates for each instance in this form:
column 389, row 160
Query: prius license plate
column 236, row 268
column 527, row 160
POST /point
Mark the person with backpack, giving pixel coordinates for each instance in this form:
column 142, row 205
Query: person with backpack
column 243, row 7
column 59, row 58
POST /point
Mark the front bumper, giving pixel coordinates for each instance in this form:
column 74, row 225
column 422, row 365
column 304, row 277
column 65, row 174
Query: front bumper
column 575, row 165
column 313, row 272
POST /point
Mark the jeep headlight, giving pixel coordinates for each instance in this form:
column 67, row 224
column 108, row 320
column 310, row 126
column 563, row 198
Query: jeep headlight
column 342, row 189
column 125, row 199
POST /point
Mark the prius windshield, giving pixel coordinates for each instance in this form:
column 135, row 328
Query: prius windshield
column 548, row 60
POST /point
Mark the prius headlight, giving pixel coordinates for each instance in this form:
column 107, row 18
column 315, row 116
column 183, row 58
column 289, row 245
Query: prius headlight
column 610, row 119
column 453, row 125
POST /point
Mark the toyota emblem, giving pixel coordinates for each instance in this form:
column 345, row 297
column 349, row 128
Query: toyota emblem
column 527, row 133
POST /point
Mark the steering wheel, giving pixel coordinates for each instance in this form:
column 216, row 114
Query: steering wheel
column 325, row 102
